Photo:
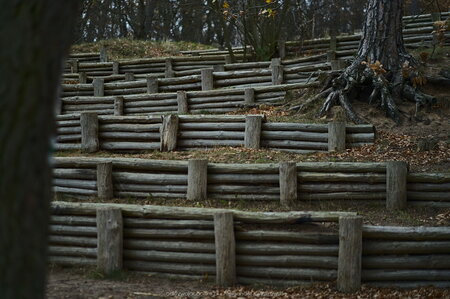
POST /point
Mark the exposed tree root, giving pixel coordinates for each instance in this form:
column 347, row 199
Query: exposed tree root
column 340, row 90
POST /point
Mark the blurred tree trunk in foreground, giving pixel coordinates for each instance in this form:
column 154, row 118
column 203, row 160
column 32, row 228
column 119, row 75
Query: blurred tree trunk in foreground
column 35, row 35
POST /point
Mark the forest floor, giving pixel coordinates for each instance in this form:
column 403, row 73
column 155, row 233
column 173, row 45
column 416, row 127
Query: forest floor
column 393, row 142
column 81, row 283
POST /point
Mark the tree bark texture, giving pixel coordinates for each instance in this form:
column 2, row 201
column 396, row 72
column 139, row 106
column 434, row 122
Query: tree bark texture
column 34, row 36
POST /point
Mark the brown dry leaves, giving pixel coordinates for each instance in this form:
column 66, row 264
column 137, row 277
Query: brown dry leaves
column 324, row 291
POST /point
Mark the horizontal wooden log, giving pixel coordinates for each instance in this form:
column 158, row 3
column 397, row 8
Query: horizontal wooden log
column 240, row 196
column 74, row 138
column 243, row 189
column 73, row 183
column 301, row 136
column 405, row 247
column 371, row 178
column 72, row 261
column 212, row 126
column 295, row 127
column 243, row 178
column 73, row 220
column 72, row 190
column 137, row 128
column 322, row 262
column 341, row 187
column 121, row 146
column 168, row 246
column 207, row 106
column 152, row 179
column 287, row 273
column 181, row 189
column 273, row 282
column 419, row 233
column 73, row 230
column 344, row 196
column 266, row 248
column 85, row 242
column 64, row 173
column 243, row 168
column 179, row 268
column 186, row 143
column 428, row 196
column 210, row 135
column 165, row 224
column 72, row 251
column 300, row 237
column 404, row 275
column 292, row 144
column 351, row 167
column 406, row 262
column 200, row 213
column 169, row 233
column 129, row 136
column 171, row 257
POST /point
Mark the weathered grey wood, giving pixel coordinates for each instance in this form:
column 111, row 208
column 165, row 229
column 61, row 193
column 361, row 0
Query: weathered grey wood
column 282, row 49
column 331, row 55
column 218, row 68
column 197, row 180
column 405, row 275
column 207, row 79
column 82, row 78
column 303, row 237
column 118, row 106
column 336, row 136
column 305, row 261
column 432, row 261
column 176, row 233
column 176, row 257
column 288, row 184
column 405, row 247
column 170, row 245
column 116, row 68
column 86, row 208
column 350, row 254
column 99, row 87
column 396, row 190
column 333, row 43
column 421, row 233
column 338, row 64
column 74, row 65
column 169, row 133
column 225, row 245
column 182, row 102
column 129, row 76
column 277, row 74
column 287, row 273
column 169, row 73
column 109, row 240
column 89, row 132
column 252, row 137
column 103, row 54
column 249, row 96
column 105, row 187
column 152, row 85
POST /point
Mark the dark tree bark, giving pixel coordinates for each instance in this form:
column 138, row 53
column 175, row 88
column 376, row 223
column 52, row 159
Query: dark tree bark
column 34, row 35
column 382, row 65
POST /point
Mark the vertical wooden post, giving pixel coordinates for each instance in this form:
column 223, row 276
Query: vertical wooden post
column 288, row 183
column 350, row 253
column 116, row 68
column 282, row 49
column 103, row 54
column 169, row 73
column 225, row 245
column 253, row 124
column 89, row 132
column 435, row 16
column 82, row 78
column 169, row 133
column 337, row 64
column 331, row 55
column 182, row 102
column 333, row 43
column 152, row 85
column 109, row 240
column 207, row 79
column 129, row 76
column 118, row 106
column 228, row 59
column 336, row 136
column 197, row 180
column 249, row 96
column 218, row 68
column 74, row 65
column 104, row 180
column 396, row 179
column 277, row 71
column 99, row 87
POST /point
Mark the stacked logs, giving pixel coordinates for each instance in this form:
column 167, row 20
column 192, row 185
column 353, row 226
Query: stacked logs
column 406, row 256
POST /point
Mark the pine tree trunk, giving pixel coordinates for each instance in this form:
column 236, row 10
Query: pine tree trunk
column 34, row 36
